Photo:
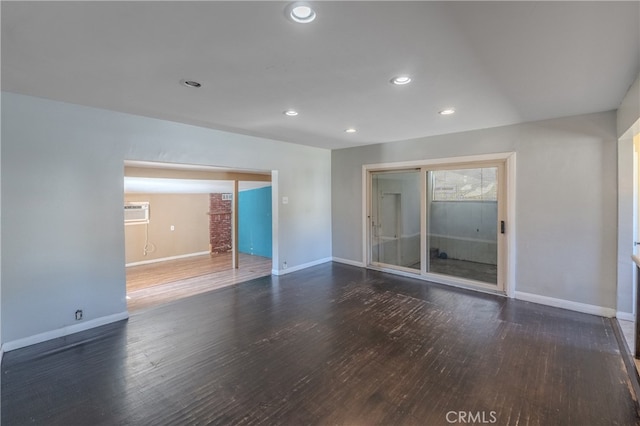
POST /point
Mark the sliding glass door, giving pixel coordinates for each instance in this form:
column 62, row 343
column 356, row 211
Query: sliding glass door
column 462, row 232
column 395, row 219
column 443, row 222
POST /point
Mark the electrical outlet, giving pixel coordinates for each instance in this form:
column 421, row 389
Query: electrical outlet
column 284, row 265
column 78, row 314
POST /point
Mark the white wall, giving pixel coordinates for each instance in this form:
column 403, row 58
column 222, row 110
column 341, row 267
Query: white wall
column 628, row 125
column 59, row 159
column 565, row 203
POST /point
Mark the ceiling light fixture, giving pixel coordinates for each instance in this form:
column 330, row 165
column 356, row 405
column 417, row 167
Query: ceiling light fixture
column 190, row 83
column 350, row 130
column 290, row 113
column 401, row 80
column 301, row 12
column 447, row 111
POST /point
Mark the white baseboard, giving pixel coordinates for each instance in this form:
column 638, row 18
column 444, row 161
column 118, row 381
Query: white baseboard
column 348, row 262
column 300, row 267
column 1, row 353
column 566, row 304
column 625, row 316
column 164, row 259
column 64, row 331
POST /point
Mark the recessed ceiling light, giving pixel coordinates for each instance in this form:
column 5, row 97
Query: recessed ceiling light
column 190, row 83
column 350, row 130
column 290, row 113
column 447, row 111
column 401, row 80
column 301, row 12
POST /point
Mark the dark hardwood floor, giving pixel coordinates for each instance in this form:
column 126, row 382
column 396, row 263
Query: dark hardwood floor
column 333, row 344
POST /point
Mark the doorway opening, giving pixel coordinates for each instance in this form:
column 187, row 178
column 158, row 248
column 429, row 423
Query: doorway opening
column 444, row 221
column 629, row 238
column 189, row 239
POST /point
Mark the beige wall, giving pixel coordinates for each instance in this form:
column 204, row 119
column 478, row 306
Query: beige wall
column 186, row 212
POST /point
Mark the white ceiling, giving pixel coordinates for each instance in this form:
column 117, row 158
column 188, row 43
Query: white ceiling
column 147, row 185
column 497, row 63
column 154, row 185
column 191, row 167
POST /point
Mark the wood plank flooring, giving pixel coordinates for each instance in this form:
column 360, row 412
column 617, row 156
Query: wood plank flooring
column 157, row 283
column 329, row 345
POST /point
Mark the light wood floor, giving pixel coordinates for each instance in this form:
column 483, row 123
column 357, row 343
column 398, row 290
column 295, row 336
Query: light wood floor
column 158, row 283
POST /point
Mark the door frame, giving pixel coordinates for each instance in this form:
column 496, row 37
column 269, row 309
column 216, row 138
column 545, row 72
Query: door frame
column 507, row 277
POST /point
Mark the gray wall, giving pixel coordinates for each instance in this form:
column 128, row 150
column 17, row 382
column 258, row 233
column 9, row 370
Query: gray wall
column 629, row 110
column 565, row 203
column 59, row 159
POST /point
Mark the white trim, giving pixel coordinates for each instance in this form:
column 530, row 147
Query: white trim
column 164, row 259
column 348, row 262
column 508, row 276
column 625, row 316
column 566, row 304
column 454, row 161
column 365, row 215
column 235, row 255
column 64, row 331
column 1, row 353
column 275, row 214
column 300, row 267
column 510, row 273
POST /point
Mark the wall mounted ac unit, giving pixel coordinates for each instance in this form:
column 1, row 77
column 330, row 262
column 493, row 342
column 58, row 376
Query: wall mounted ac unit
column 136, row 213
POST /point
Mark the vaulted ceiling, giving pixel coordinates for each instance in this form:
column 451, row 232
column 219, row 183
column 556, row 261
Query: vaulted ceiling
column 496, row 63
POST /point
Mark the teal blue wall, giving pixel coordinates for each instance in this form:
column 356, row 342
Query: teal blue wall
column 254, row 221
